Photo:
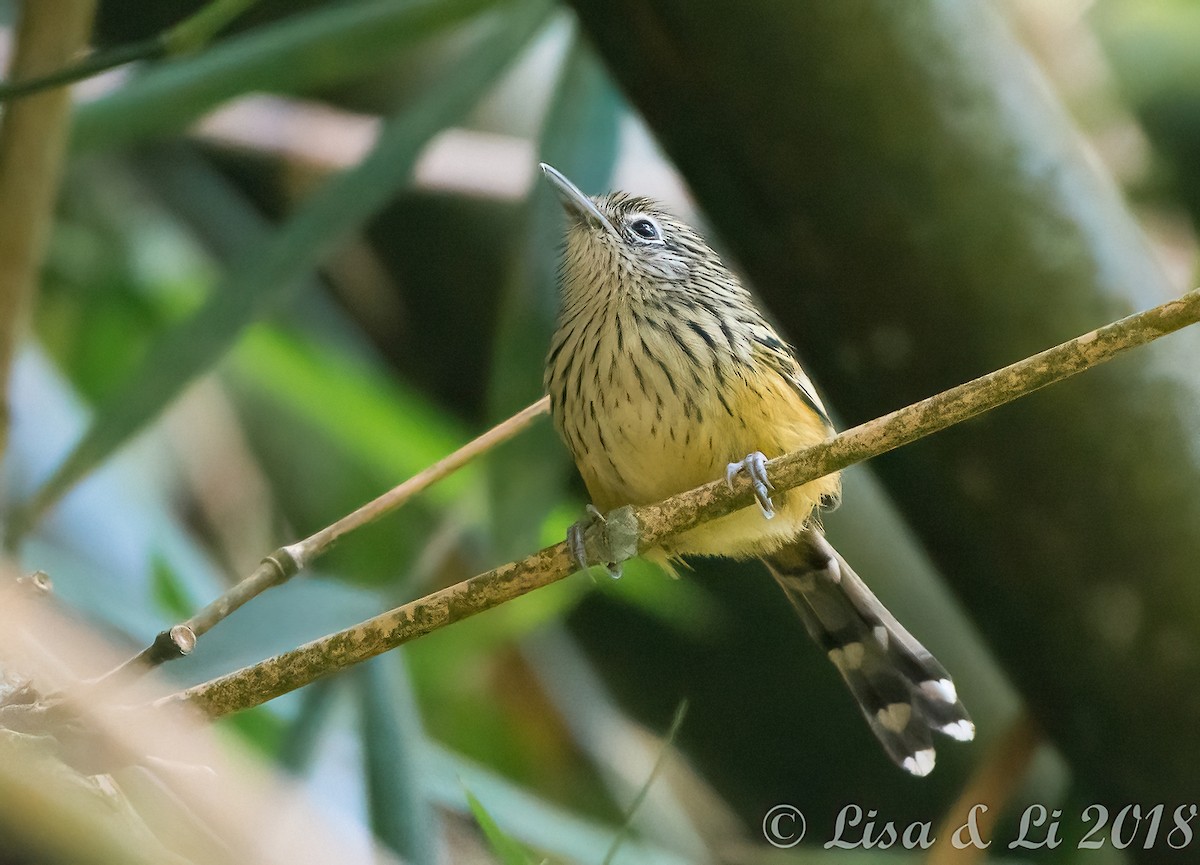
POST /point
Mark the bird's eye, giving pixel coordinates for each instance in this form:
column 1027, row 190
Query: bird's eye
column 645, row 228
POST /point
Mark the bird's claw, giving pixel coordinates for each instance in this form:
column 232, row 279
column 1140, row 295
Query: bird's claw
column 755, row 466
column 576, row 547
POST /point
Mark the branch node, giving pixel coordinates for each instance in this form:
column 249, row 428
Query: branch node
column 38, row 583
column 173, row 643
column 183, row 638
column 287, row 561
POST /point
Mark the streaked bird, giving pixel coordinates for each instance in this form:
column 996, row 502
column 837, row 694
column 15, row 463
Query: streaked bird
column 664, row 375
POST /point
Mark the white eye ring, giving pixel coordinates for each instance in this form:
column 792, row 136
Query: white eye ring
column 645, row 228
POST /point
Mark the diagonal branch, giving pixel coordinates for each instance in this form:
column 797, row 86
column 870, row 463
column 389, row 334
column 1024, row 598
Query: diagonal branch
column 631, row 530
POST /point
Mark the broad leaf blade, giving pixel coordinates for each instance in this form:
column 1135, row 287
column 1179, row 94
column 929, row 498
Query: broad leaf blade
column 401, row 815
column 543, row 825
column 303, row 735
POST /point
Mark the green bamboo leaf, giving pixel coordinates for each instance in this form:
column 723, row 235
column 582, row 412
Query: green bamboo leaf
column 195, row 32
column 507, row 850
column 358, row 429
column 217, row 215
column 261, row 728
column 401, row 815
column 543, row 825
column 297, row 55
column 171, row 596
column 579, row 137
column 361, row 408
column 268, row 276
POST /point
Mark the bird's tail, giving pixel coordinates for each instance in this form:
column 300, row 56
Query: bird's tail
column 902, row 690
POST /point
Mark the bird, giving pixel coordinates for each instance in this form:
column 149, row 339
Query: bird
column 663, row 374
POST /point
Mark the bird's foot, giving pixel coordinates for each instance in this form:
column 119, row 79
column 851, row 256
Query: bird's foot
column 576, row 547
column 755, row 466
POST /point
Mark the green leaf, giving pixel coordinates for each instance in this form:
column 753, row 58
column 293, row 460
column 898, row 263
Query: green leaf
column 268, row 276
column 169, row 593
column 401, row 816
column 579, row 137
column 260, row 727
column 533, row 820
column 507, row 850
column 356, row 430
column 297, row 55
column 217, row 215
column 387, row 426
column 196, row 32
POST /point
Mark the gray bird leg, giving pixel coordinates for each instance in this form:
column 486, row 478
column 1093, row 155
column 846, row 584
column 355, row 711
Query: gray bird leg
column 755, row 466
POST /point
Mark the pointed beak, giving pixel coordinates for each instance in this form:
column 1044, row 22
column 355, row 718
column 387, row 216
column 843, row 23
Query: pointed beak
column 577, row 205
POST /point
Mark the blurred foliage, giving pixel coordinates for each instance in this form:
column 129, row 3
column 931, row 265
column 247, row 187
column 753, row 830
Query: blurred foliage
column 506, row 849
column 237, row 341
column 1152, row 49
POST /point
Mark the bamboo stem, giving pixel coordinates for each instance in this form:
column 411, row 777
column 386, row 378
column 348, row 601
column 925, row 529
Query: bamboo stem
column 32, row 142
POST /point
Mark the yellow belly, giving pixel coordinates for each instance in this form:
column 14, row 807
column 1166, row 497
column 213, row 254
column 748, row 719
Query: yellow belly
column 652, row 451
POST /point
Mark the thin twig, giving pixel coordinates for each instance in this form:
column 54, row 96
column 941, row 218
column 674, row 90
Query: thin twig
column 311, row 547
column 91, row 65
column 189, row 35
column 627, row 818
column 992, row 785
column 32, row 141
column 631, row 530
column 286, row 561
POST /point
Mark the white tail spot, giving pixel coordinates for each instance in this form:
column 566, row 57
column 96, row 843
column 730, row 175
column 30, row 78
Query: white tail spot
column 920, row 763
column 940, row 689
column 963, row 731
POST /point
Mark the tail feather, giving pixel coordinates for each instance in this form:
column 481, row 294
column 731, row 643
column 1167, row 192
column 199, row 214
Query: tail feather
column 904, row 693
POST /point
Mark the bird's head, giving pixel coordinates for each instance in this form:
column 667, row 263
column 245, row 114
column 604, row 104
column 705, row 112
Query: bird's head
column 627, row 244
